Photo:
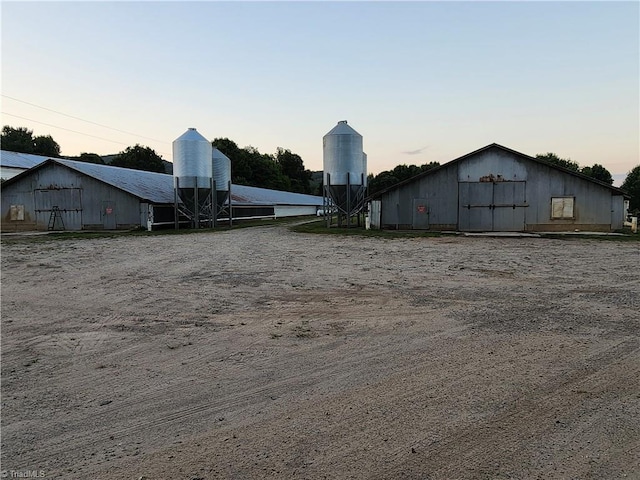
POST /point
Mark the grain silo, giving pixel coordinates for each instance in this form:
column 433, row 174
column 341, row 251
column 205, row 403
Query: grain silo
column 193, row 178
column 345, row 175
column 221, row 165
column 364, row 168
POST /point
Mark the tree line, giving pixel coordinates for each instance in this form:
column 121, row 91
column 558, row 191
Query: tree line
column 283, row 170
column 631, row 184
column 596, row 171
column 21, row 140
column 400, row 173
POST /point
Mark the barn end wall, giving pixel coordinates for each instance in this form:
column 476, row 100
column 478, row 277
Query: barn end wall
column 592, row 202
column 86, row 203
column 534, row 184
column 440, row 190
column 499, row 164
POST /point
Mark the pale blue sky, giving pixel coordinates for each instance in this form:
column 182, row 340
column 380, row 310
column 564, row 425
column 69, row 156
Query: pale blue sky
column 438, row 78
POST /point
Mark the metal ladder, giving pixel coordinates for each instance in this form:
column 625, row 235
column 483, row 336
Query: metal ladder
column 55, row 214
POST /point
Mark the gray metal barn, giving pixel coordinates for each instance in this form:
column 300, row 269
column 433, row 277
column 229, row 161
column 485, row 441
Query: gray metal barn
column 498, row 189
column 101, row 197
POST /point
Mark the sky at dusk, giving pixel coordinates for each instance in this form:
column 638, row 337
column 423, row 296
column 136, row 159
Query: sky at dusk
column 420, row 81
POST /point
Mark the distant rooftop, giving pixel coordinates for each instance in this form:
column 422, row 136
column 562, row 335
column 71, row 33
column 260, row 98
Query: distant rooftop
column 20, row 160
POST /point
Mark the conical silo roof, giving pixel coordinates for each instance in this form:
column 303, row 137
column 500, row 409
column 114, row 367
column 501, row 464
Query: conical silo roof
column 191, row 135
column 342, row 128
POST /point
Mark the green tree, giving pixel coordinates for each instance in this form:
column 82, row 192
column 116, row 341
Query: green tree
column 316, row 183
column 139, row 158
column 46, row 145
column 17, row 139
column 381, row 181
column 266, row 171
column 241, row 173
column 90, row 158
column 598, row 172
column 292, row 166
column 631, row 185
column 553, row 159
column 282, row 171
column 403, row 172
column 429, row 166
column 400, row 173
column 21, row 140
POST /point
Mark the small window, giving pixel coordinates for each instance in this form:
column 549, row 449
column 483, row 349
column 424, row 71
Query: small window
column 17, row 213
column 562, row 208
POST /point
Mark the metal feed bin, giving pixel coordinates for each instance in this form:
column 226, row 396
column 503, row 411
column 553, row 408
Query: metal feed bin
column 345, row 175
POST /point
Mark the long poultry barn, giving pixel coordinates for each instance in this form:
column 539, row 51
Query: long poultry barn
column 498, row 189
column 65, row 194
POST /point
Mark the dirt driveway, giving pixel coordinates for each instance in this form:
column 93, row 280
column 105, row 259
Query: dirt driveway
column 262, row 353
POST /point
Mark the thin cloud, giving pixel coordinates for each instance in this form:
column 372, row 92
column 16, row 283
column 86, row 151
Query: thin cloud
column 415, row 152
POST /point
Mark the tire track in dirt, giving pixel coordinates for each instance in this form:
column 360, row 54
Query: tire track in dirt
column 295, row 382
column 379, row 350
column 449, row 453
column 470, row 452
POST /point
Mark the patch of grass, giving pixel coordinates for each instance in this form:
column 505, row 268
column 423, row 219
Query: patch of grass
column 319, row 227
column 607, row 238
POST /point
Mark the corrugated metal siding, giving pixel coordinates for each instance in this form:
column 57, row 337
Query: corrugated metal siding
column 618, row 212
column 124, row 190
column 374, row 213
column 474, row 211
column 67, row 202
column 80, row 198
column 509, row 211
column 440, row 190
column 158, row 187
column 527, row 184
column 592, row 207
column 19, row 193
column 492, row 162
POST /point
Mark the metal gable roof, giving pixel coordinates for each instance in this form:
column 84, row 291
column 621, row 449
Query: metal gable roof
column 151, row 186
column 264, row 196
column 158, row 187
column 20, row 160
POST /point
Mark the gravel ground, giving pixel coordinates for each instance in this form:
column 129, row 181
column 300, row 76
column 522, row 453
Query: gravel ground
column 262, row 353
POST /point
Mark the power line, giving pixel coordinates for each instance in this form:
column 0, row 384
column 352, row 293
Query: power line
column 82, row 119
column 62, row 128
column 69, row 130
